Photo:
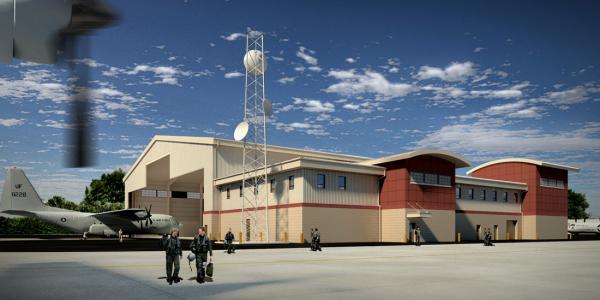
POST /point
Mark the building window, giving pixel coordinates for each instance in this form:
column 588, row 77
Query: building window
column 272, row 185
column 431, row 178
column 458, row 192
column 179, row 194
column 505, row 196
column 471, row 194
column 149, row 193
column 291, row 182
column 444, row 180
column 162, row 194
column 320, row 181
column 548, row 182
column 194, row 195
column 417, row 177
column 516, row 197
column 494, row 196
column 228, row 194
column 241, row 191
column 342, row 182
column 482, row 195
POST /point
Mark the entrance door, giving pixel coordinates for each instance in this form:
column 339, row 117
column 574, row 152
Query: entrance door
column 511, row 226
column 478, row 232
column 247, row 229
column 411, row 232
column 495, row 232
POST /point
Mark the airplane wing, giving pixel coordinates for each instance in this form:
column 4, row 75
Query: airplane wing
column 133, row 214
column 21, row 213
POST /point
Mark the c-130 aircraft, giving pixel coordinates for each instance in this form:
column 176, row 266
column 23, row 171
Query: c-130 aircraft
column 19, row 198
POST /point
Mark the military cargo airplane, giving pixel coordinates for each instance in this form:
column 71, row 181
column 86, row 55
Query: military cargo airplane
column 584, row 226
column 19, row 198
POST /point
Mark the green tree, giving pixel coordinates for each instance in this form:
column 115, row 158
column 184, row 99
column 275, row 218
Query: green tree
column 28, row 226
column 61, row 202
column 577, row 205
column 106, row 193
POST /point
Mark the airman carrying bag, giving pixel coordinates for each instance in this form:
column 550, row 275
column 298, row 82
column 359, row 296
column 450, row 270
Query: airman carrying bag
column 209, row 269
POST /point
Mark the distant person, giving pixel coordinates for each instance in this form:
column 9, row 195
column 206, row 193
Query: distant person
column 229, row 237
column 120, row 235
column 173, row 255
column 417, row 236
column 201, row 246
column 317, row 240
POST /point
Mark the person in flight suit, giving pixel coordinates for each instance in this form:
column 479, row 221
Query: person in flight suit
column 417, row 236
column 201, row 246
column 229, row 237
column 317, row 240
column 173, row 254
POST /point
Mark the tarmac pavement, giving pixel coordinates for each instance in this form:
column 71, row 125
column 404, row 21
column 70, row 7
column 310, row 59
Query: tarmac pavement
column 537, row 270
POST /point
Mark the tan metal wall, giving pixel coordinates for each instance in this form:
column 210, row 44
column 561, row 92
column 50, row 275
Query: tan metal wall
column 393, row 225
column 281, row 195
column 229, row 160
column 338, row 225
column 466, row 224
column 437, row 228
column 360, row 189
column 544, row 227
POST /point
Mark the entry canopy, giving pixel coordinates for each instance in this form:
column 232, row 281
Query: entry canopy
column 526, row 161
column 457, row 160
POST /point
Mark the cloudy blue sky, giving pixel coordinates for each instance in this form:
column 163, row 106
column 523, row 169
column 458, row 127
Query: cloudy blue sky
column 486, row 80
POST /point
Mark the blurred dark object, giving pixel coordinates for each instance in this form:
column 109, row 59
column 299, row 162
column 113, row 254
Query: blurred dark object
column 86, row 16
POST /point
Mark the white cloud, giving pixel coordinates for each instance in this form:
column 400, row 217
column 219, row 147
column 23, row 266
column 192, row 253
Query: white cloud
column 352, row 83
column 53, row 112
column 11, row 122
column 478, row 49
column 305, row 54
column 315, row 68
column 487, row 137
column 454, row 72
column 571, row 96
column 140, row 122
column 350, row 60
column 284, row 80
column 310, row 129
column 314, row 106
column 233, row 36
column 234, row 74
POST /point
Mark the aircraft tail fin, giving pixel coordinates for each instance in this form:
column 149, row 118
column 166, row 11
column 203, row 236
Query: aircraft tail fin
column 19, row 194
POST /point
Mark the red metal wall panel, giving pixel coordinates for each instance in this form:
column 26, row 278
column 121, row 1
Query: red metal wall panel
column 538, row 200
column 397, row 191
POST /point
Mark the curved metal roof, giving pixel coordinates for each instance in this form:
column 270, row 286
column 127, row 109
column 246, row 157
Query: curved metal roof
column 525, row 161
column 458, row 160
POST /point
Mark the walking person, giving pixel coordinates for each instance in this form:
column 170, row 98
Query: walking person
column 417, row 236
column 120, row 235
column 173, row 255
column 201, row 247
column 229, row 237
column 317, row 240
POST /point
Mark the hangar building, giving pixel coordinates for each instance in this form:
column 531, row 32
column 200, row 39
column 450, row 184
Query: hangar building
column 351, row 198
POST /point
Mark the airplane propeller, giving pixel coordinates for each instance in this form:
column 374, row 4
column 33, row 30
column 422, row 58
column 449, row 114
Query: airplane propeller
column 148, row 215
column 87, row 16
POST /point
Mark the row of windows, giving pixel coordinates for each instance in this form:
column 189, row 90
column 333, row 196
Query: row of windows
column 273, row 184
column 428, row 178
column 555, row 183
column 483, row 195
column 321, row 179
column 172, row 194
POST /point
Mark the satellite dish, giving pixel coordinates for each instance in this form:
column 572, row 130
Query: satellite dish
column 241, row 130
column 253, row 61
column 268, row 107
